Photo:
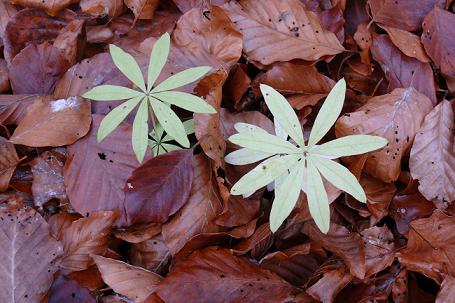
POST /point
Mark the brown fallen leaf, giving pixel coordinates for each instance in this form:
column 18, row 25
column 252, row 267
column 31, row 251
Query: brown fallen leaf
column 281, row 31
column 407, row 42
column 327, row 288
column 447, row 292
column 138, row 233
column 100, row 8
column 236, row 86
column 215, row 275
column 364, row 39
column 47, row 172
column 7, row 11
column 379, row 249
column 14, row 107
column 71, row 41
column 131, row 281
column 379, row 195
column 198, row 214
column 397, row 117
column 432, row 159
column 8, row 163
column 4, row 77
column 50, row 6
column 237, row 210
column 99, row 33
column 142, row 9
column 29, row 255
column 258, row 243
column 86, row 236
column 68, row 290
column 439, row 42
column 53, row 122
column 151, row 254
column 186, row 5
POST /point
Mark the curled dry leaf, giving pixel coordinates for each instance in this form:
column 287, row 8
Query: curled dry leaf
column 47, row 172
column 8, row 162
column 402, row 14
column 258, row 243
column 37, row 68
column 326, row 289
column 237, row 211
column 100, row 8
column 114, row 160
column 403, row 71
column 53, row 122
column 397, row 117
column 50, row 6
column 14, row 107
column 152, row 254
column 447, row 291
column 142, row 9
column 138, row 232
column 4, row 76
column 71, row 41
column 281, row 31
column 199, row 213
column 439, row 42
column 69, row 291
column 379, row 249
column 379, row 196
column 215, row 275
column 432, row 159
column 125, row 279
column 431, row 246
column 159, row 188
column 86, row 236
column 29, row 255
column 407, row 42
column 7, row 11
column 364, row 39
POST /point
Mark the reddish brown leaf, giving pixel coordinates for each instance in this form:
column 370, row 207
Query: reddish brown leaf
column 28, row 255
column 198, row 214
column 152, row 254
column 447, row 292
column 53, row 122
column 138, row 232
column 237, row 211
column 186, row 5
column 228, row 120
column 281, row 31
column 131, row 281
column 236, row 85
column 397, row 117
column 69, row 291
column 258, row 243
column 84, row 237
column 407, row 42
column 326, row 289
column 363, row 38
column 71, row 41
column 214, row 275
column 8, row 163
column 7, row 11
column 4, row 77
column 99, row 8
column 379, row 196
column 379, row 249
column 50, row 6
column 14, row 107
column 143, row 9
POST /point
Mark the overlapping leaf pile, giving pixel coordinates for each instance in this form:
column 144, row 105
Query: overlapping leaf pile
column 84, row 221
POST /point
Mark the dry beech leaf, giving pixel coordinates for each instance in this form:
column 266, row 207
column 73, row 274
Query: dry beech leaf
column 363, row 39
column 397, row 117
column 28, row 255
column 114, row 160
column 281, row 31
column 8, row 162
column 379, row 196
column 138, row 232
column 52, row 7
column 151, row 254
column 432, row 159
column 159, row 188
column 86, row 236
column 431, row 246
column 53, row 122
column 186, row 5
column 326, row 289
column 69, row 291
column 215, row 275
column 70, row 41
column 402, row 14
column 99, row 33
column 7, row 11
column 14, row 107
column 198, row 214
column 407, row 42
column 379, row 249
column 401, row 70
column 134, row 282
column 142, row 9
column 447, row 291
column 101, row 8
column 228, row 120
column 4, row 76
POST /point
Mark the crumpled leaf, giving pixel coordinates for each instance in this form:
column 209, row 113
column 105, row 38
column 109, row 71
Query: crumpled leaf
column 432, row 159
column 29, row 255
column 7, row 11
column 281, row 33
column 4, row 76
column 71, row 41
column 100, row 8
column 50, row 6
column 151, row 254
column 327, row 288
column 8, row 163
column 142, row 9
column 407, row 42
column 379, row 249
column 446, row 293
column 14, row 107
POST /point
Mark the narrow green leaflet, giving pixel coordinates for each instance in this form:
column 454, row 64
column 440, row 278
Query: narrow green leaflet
column 349, row 146
column 170, row 122
column 186, row 101
column 182, row 78
column 115, row 117
column 286, row 195
column 140, row 131
column 283, row 112
column 242, row 127
column 245, row 156
column 318, row 202
column 127, row 65
column 329, row 112
column 189, row 129
column 158, row 58
column 260, row 141
column 340, row 177
column 111, row 92
column 263, row 174
column 158, row 142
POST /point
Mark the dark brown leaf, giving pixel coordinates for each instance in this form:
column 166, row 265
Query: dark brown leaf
column 152, row 254
column 50, row 6
column 327, row 288
column 379, row 249
column 4, row 77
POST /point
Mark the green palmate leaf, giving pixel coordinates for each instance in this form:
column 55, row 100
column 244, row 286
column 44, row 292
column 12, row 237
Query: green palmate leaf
column 329, row 112
column 242, row 127
column 115, row 117
column 111, row 92
column 283, row 112
column 158, row 58
column 318, row 202
column 182, row 78
column 170, row 122
column 340, row 177
column 189, row 129
column 286, row 195
column 245, row 156
column 264, row 173
column 140, row 131
column 127, row 65
column 349, row 146
column 263, row 142
column 186, row 101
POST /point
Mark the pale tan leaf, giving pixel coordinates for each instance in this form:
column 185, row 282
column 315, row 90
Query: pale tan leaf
column 407, row 42
column 447, row 292
column 432, row 159
column 281, row 31
column 128, row 280
column 397, row 117
column 27, row 255
column 8, row 162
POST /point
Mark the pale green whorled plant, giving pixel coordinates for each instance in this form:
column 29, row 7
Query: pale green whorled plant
column 159, row 97
column 160, row 143
column 293, row 165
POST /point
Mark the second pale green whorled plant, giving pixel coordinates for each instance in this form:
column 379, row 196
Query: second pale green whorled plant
column 293, row 165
